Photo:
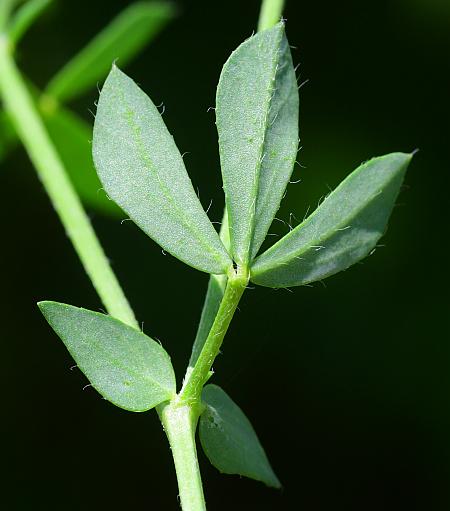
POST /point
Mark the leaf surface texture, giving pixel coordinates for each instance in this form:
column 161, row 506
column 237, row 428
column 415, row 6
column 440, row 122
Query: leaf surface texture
column 257, row 123
column 229, row 440
column 124, row 365
column 344, row 229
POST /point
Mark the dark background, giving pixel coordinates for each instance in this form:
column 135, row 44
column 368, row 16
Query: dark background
column 348, row 384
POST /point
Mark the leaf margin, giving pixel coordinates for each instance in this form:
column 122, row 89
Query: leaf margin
column 45, row 306
column 261, row 266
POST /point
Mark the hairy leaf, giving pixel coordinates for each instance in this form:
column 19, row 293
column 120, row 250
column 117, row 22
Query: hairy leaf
column 142, row 170
column 72, row 138
column 229, row 440
column 124, row 365
column 122, row 39
column 342, row 230
column 257, row 122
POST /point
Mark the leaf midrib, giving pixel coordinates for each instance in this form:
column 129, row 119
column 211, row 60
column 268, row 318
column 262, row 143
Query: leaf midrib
column 165, row 190
column 267, row 195
column 255, row 189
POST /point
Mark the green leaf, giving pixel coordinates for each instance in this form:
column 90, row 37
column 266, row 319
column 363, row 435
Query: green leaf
column 257, row 122
column 343, row 229
column 72, row 138
column 122, row 39
column 25, row 17
column 229, row 440
column 124, row 365
column 142, row 170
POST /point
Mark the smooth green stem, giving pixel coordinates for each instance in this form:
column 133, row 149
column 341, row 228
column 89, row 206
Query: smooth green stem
column 51, row 171
column 180, row 424
column 199, row 374
column 271, row 11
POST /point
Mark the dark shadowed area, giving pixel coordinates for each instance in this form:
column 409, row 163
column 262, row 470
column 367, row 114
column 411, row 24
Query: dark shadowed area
column 347, row 383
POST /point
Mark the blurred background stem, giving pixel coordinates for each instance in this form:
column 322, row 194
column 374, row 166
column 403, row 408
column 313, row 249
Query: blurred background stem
column 30, row 128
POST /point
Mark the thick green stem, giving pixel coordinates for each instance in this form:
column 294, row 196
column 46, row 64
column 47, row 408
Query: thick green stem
column 271, row 11
column 51, row 171
column 180, row 424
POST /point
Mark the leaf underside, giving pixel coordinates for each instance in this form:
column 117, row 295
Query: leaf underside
column 229, row 440
column 257, row 123
column 125, row 366
column 142, row 170
column 344, row 229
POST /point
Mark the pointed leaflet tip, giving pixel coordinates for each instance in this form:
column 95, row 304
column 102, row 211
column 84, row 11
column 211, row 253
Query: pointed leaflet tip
column 229, row 440
column 344, row 229
column 125, row 366
column 142, row 170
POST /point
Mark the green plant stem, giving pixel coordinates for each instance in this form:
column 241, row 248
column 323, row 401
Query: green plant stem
column 30, row 128
column 180, row 424
column 199, row 374
column 180, row 417
column 214, row 295
column 271, row 11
